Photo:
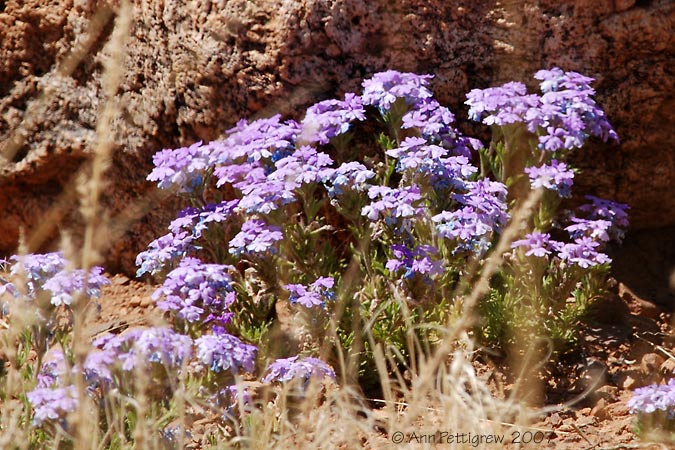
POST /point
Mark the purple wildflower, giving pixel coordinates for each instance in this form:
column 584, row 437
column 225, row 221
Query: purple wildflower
column 303, row 166
column 284, row 370
column 65, row 284
column 196, row 221
column 501, row 105
column 261, row 139
column 266, row 196
column 538, row 244
column 429, row 117
column 418, row 261
column 484, row 213
column 255, row 237
column 182, row 169
column 563, row 118
column 52, row 404
column 197, row 291
column 52, row 370
column 238, row 174
column 164, row 251
column 595, row 229
column 141, row 345
column 48, row 273
column 649, row 399
column 606, row 209
column 330, row 118
column 583, row 253
column 222, row 351
column 392, row 203
column 351, row 175
column 556, row 177
column 316, row 294
column 384, row 88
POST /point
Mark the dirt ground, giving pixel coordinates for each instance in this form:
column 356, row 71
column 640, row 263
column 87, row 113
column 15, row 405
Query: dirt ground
column 627, row 344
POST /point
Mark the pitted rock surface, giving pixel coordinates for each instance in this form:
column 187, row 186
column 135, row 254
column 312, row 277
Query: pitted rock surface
column 194, row 68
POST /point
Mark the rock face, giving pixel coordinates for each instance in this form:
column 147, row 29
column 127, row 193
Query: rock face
column 194, row 67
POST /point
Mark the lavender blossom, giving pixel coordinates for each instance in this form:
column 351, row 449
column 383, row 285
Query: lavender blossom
column 433, row 161
column 351, row 175
column 595, row 229
column 555, row 176
column 392, row 203
column 164, row 251
column 538, row 244
column 65, row 284
column 182, row 169
column 384, row 88
column 255, row 238
column 615, row 213
column 330, row 118
column 37, row 268
column 430, row 118
column 222, row 351
column 484, row 213
column 48, row 273
column 195, row 221
column 197, row 292
column 649, row 399
column 316, row 294
column 501, row 105
column 563, row 119
column 284, row 370
column 159, row 345
column 418, row 261
column 583, row 253
column 52, row 404
column 303, row 166
column 262, row 139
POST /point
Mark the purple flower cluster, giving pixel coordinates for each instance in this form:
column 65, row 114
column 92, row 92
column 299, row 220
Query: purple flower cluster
column 259, row 140
column 255, row 238
column 389, row 204
column 537, row 244
column 556, row 176
column 563, row 116
column 432, row 161
column 330, row 118
column 649, row 399
column 583, row 252
column 421, row 260
column 221, row 351
column 182, row 168
column 316, row 294
column 614, row 212
column 197, row 292
column 349, row 176
column 284, row 370
column 159, row 345
column 51, row 404
column 303, row 166
column 48, row 273
column 195, row 221
column 51, row 400
column 164, row 251
column 606, row 221
column 384, row 88
column 484, row 213
column 430, row 118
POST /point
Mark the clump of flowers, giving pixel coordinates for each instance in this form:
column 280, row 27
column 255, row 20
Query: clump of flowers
column 287, row 369
column 654, row 406
column 48, row 274
column 373, row 235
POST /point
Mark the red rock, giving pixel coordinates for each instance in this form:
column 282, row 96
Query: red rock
column 193, row 68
